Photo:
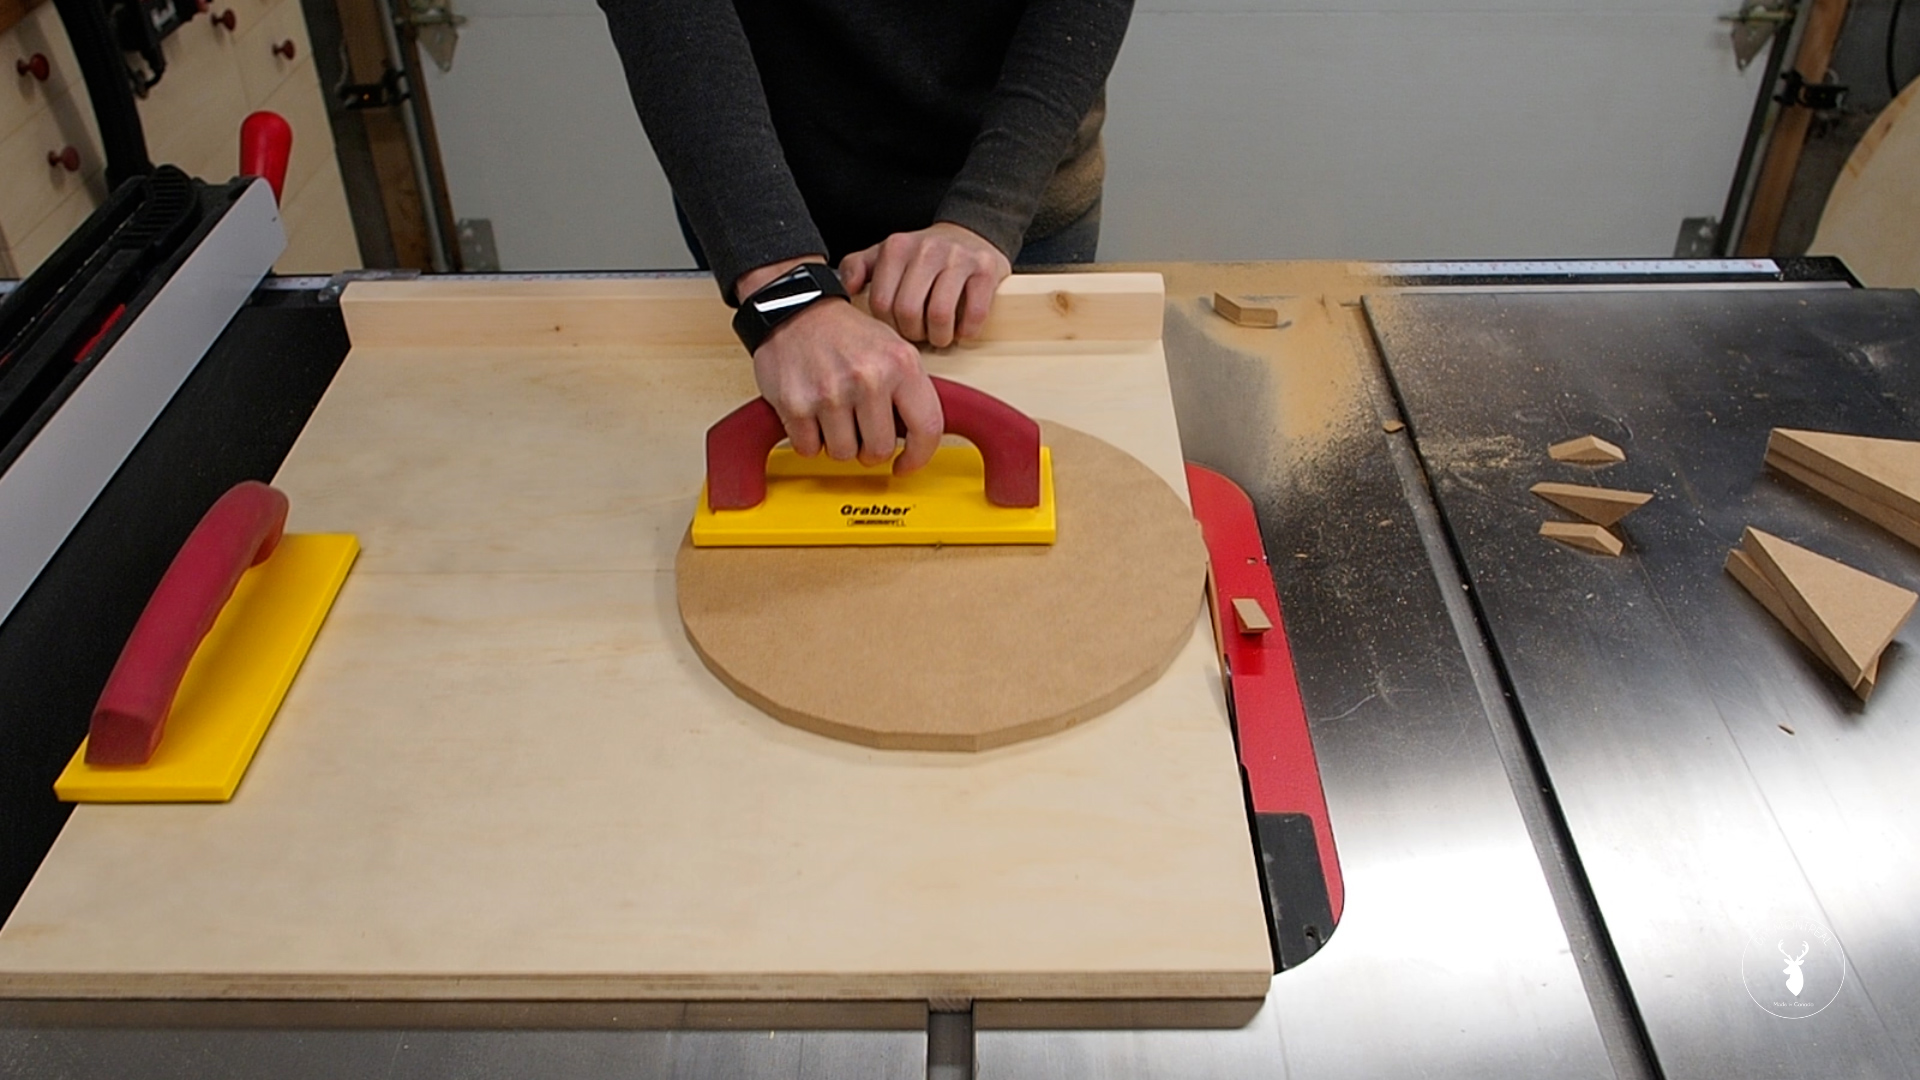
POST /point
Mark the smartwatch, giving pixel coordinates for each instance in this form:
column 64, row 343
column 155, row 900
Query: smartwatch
column 782, row 298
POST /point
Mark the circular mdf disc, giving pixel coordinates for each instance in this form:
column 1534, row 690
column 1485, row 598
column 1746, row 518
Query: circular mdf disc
column 960, row 647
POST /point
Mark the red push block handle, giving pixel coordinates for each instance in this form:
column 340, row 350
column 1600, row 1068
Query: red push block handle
column 1008, row 440
column 266, row 142
column 240, row 531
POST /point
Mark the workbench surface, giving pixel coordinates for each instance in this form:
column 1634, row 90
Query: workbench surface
column 1481, row 923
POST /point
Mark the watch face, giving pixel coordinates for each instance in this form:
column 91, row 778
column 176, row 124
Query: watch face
column 766, row 307
column 781, row 299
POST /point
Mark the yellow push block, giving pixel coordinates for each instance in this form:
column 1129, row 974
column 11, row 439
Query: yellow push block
column 233, row 685
column 817, row 501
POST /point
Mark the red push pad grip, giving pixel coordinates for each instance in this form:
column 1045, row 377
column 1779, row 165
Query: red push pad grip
column 240, row 531
column 1008, row 440
column 266, row 142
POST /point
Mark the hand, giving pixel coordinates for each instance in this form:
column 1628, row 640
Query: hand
column 935, row 285
column 837, row 376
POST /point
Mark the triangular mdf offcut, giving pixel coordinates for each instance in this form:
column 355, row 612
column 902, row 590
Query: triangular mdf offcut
column 1602, row 506
column 1866, row 506
column 1885, row 470
column 1587, row 450
column 1849, row 612
column 1743, row 570
column 1583, row 535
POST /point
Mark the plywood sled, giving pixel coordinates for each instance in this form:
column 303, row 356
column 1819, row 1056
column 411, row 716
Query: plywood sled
column 504, row 774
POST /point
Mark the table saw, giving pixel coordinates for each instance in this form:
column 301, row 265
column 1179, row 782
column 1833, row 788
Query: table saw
column 1575, row 800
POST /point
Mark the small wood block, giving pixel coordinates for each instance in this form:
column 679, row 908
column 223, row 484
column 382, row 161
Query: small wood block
column 1583, row 535
column 1849, row 612
column 1392, row 427
column 1879, row 513
column 1602, row 506
column 1884, row 470
column 1741, row 566
column 1251, row 616
column 1241, row 314
column 1587, row 450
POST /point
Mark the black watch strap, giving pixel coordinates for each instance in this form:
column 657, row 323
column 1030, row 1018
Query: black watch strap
column 782, row 298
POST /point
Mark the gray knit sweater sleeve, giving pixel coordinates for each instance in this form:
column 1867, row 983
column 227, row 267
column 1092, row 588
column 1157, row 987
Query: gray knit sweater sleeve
column 698, row 93
column 1055, row 70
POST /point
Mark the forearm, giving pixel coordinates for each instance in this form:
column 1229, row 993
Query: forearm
column 1055, row 69
column 698, row 93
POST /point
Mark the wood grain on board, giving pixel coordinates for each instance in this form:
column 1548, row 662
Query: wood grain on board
column 687, row 311
column 504, row 773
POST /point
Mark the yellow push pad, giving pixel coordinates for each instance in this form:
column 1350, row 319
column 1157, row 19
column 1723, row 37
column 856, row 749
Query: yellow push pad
column 817, row 501
column 233, row 685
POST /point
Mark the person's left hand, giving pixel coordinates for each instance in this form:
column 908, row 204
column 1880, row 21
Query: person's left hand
column 935, row 285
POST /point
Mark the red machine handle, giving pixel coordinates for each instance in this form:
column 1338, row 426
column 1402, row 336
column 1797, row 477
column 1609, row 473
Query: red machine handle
column 266, row 142
column 35, row 65
column 67, row 157
column 286, row 49
column 224, row 19
column 240, row 531
column 1009, row 443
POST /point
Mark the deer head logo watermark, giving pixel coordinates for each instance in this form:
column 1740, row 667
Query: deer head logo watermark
column 1793, row 967
column 1796, row 979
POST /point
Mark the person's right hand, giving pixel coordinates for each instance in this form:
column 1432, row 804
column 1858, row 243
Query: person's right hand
column 837, row 375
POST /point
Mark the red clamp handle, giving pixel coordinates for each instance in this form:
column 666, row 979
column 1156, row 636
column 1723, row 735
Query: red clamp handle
column 266, row 142
column 35, row 65
column 240, row 531
column 67, row 157
column 287, row 49
column 224, row 19
column 1009, row 443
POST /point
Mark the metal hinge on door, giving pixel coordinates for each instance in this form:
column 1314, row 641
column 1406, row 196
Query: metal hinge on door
column 436, row 26
column 1755, row 25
